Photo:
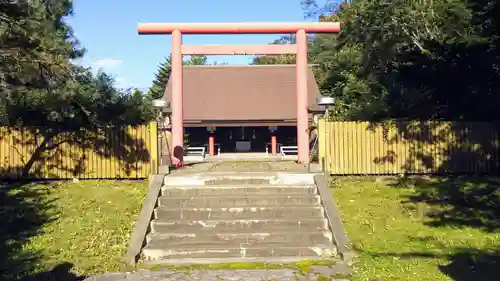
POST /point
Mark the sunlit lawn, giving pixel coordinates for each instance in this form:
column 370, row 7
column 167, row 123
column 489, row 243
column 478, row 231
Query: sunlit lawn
column 436, row 229
column 84, row 225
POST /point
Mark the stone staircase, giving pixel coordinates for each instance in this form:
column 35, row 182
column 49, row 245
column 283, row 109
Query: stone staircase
column 238, row 218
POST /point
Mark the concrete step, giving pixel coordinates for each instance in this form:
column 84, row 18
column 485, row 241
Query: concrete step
column 238, row 201
column 235, row 239
column 239, row 213
column 261, row 190
column 231, row 226
column 155, row 251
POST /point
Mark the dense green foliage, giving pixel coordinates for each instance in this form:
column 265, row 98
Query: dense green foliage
column 280, row 59
column 436, row 59
column 40, row 83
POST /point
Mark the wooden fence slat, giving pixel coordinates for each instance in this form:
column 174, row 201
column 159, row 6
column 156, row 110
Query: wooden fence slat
column 357, row 148
column 127, row 153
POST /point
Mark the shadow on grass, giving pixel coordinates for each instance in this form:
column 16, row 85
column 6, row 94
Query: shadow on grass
column 61, row 272
column 465, row 264
column 458, row 201
column 447, row 148
column 24, row 210
column 23, row 213
column 473, row 264
column 472, row 201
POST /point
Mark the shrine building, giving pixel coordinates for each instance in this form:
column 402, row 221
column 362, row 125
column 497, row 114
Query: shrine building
column 243, row 108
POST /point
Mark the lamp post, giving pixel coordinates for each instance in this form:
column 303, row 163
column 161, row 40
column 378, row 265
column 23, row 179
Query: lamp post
column 163, row 121
column 326, row 102
column 164, row 108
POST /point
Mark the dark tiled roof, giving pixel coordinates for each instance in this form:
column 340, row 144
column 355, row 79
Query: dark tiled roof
column 253, row 92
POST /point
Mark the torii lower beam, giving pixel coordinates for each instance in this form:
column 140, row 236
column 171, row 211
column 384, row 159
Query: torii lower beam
column 274, row 49
column 300, row 29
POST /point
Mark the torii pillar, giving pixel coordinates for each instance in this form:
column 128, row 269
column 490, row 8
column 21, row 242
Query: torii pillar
column 178, row 50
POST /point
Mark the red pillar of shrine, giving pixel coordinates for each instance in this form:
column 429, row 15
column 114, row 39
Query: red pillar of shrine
column 273, row 145
column 302, row 108
column 211, row 145
column 177, row 100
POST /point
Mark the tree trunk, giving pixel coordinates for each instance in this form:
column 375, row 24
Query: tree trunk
column 36, row 155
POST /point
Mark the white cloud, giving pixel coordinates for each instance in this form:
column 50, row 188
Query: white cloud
column 124, row 83
column 120, row 80
column 78, row 61
column 107, row 64
column 112, row 67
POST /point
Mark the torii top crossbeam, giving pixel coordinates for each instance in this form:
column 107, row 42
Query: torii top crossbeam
column 239, row 27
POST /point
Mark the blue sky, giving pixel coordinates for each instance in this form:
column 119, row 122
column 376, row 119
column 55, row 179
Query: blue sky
column 108, row 29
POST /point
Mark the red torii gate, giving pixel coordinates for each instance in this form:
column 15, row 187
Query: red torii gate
column 178, row 50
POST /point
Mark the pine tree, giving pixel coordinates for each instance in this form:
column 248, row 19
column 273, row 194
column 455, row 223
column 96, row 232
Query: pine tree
column 161, row 78
column 157, row 90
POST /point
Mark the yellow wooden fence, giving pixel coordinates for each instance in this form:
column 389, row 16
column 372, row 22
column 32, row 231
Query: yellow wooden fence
column 129, row 153
column 364, row 148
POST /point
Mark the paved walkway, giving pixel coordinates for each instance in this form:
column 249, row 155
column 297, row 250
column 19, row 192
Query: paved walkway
column 243, row 166
column 213, row 275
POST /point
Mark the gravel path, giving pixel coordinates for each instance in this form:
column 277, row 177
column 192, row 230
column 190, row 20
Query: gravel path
column 243, row 166
column 209, row 275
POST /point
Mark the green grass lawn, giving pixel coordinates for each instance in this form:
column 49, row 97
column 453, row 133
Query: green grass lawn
column 422, row 229
column 78, row 227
